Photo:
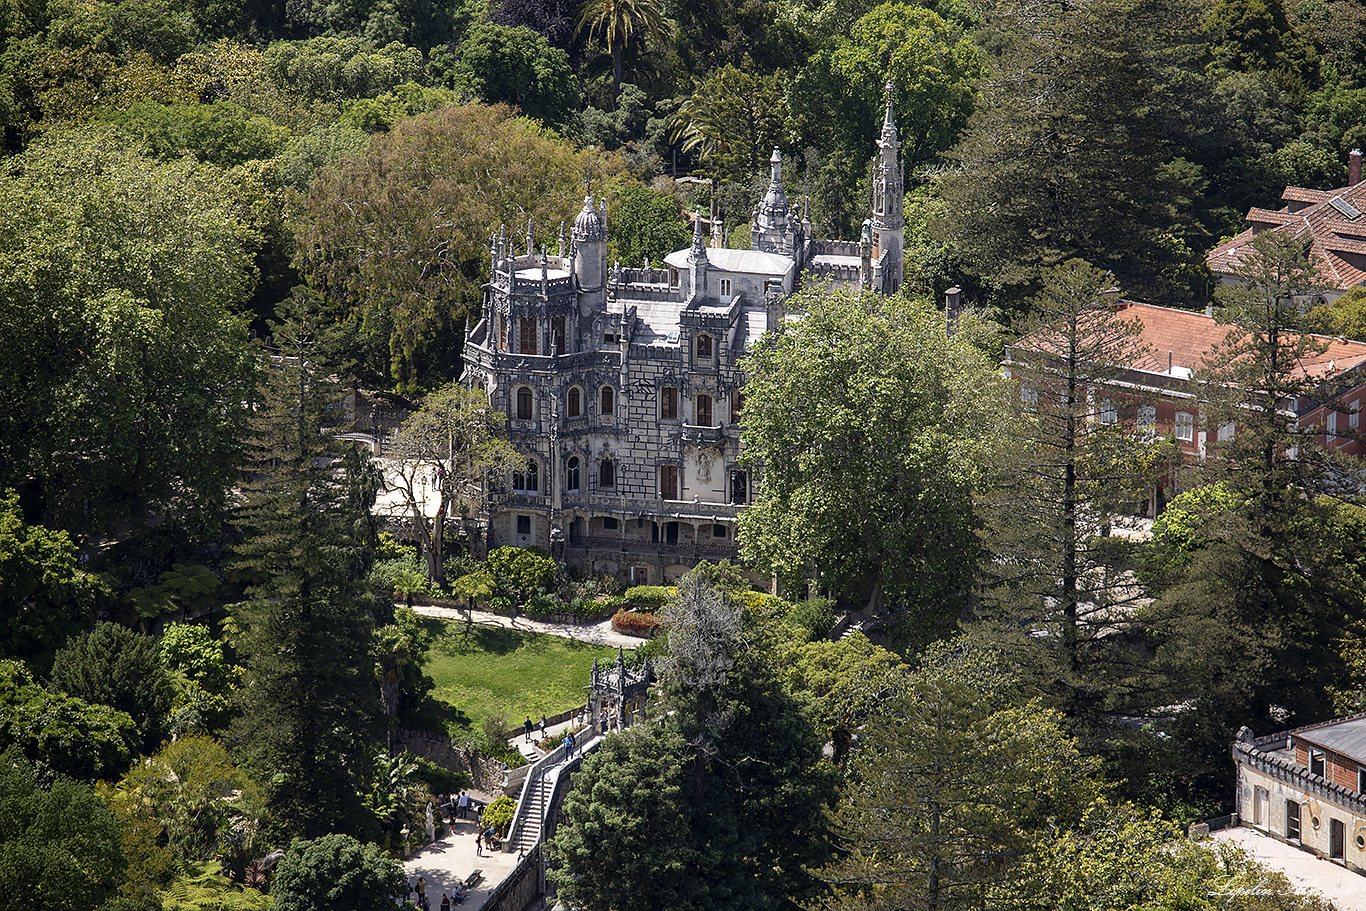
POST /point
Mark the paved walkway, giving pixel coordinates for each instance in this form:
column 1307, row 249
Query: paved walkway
column 600, row 633
column 451, row 859
column 1306, row 872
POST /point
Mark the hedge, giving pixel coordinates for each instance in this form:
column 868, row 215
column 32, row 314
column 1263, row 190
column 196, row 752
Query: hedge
column 647, row 597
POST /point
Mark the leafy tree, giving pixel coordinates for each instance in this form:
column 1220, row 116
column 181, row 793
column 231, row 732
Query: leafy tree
column 1250, row 35
column 62, row 733
column 620, row 22
column 336, row 871
column 952, row 787
column 117, row 667
column 222, row 133
column 645, row 224
column 512, row 65
column 1079, row 456
column 870, row 429
column 397, row 240
column 337, row 68
column 399, row 650
column 127, row 368
column 1344, row 317
column 520, row 572
column 717, row 804
column 846, row 681
column 195, row 791
column 205, row 681
column 308, row 705
column 184, row 587
column 455, row 438
column 1068, row 152
column 60, row 846
column 732, row 120
column 44, row 598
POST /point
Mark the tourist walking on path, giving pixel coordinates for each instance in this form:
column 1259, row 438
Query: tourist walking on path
column 462, row 804
column 543, row 727
column 527, row 728
column 568, row 745
column 478, row 843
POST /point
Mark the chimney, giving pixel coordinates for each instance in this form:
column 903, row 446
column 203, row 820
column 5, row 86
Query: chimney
column 1354, row 168
column 951, row 298
column 1169, row 363
column 1209, row 310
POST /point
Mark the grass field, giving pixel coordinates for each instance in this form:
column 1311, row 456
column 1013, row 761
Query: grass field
column 497, row 672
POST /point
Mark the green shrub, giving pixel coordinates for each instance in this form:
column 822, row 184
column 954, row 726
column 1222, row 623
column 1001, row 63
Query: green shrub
column 441, row 780
column 403, row 574
column 520, row 572
column 636, row 624
column 498, row 815
column 647, row 597
column 815, row 615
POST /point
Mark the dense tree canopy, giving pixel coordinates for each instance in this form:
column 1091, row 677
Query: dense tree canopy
column 121, row 669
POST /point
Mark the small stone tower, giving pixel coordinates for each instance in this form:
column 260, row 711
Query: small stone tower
column 590, row 256
column 772, row 227
column 697, row 262
column 889, row 226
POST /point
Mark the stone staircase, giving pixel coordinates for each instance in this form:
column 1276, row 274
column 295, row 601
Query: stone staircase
column 537, row 798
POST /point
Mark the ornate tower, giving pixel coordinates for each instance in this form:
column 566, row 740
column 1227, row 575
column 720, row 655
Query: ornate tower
column 889, row 227
column 589, row 256
column 772, row 226
column 697, row 261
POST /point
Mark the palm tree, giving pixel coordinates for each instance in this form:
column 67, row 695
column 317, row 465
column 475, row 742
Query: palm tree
column 620, row 21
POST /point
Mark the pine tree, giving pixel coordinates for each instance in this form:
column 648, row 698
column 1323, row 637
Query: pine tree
column 309, row 704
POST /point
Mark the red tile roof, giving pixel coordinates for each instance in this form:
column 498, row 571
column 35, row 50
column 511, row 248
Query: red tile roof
column 1333, row 237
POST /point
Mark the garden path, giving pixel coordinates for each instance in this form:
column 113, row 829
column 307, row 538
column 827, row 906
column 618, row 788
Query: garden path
column 451, row 858
column 600, row 633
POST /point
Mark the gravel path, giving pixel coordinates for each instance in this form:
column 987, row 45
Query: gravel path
column 600, row 633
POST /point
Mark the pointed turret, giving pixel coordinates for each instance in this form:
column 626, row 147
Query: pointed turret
column 888, row 191
column 590, row 260
column 772, row 226
column 697, row 260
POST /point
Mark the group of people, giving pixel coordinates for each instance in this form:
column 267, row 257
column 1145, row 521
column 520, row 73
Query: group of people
column 528, row 727
column 457, row 895
column 455, row 807
column 488, row 838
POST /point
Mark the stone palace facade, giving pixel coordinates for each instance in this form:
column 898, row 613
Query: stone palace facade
column 623, row 385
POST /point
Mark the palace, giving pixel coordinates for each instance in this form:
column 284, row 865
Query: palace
column 623, row 385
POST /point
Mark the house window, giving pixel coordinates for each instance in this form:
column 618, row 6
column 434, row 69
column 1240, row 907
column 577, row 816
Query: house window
column 1261, row 807
column 1316, row 762
column 725, row 288
column 524, row 525
column 737, row 405
column 668, row 482
column 1292, row 820
column 527, row 481
column 1354, row 415
column 607, row 401
column 1337, row 839
column 739, row 487
column 1361, row 779
column 1185, row 426
column 704, row 410
column 704, row 346
column 609, row 524
column 1332, row 426
column 1109, row 414
column 527, row 335
column 1029, row 398
column 571, row 475
column 668, row 403
column 640, row 575
column 575, row 402
column 557, row 333
column 718, row 531
column 607, row 473
column 503, row 331
column 673, row 277
column 1225, row 433
column 1147, row 420
column 524, row 403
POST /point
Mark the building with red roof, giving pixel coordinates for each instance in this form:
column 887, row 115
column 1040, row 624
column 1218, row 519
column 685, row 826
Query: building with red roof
column 1331, row 223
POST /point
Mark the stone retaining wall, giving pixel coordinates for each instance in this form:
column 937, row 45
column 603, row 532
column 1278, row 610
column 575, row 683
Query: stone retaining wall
column 487, row 775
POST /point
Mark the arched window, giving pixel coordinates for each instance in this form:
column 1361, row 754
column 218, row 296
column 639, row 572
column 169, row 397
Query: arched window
column 575, row 402
column 608, row 404
column 527, row 481
column 703, row 416
column 571, row 475
column 524, row 400
column 607, row 473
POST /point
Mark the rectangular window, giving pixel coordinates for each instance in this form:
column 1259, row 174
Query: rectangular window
column 1292, row 820
column 1147, row 420
column 737, row 405
column 1109, row 414
column 1185, row 426
column 668, row 482
column 640, row 575
column 524, row 525
column 527, row 340
column 1226, row 433
column 1337, row 839
column 704, row 410
column 673, row 277
column 557, row 333
column 609, row 524
column 1316, row 762
column 718, row 531
column 725, row 287
column 1332, row 426
column 704, row 346
column 1354, row 415
column 524, row 404
column 668, row 403
column 1029, row 398
column 1361, row 779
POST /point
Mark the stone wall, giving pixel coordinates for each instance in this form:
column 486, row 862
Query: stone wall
column 487, row 775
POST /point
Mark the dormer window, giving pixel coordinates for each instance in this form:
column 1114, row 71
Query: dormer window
column 725, row 287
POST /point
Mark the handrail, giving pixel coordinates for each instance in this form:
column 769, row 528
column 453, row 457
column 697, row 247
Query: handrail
column 533, row 776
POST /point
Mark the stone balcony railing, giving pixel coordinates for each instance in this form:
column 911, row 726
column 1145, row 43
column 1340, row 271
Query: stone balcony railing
column 1295, row 775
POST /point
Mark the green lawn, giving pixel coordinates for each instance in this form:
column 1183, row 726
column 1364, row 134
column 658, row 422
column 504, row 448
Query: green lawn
column 504, row 672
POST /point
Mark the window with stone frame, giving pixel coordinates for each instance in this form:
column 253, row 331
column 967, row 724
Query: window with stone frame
column 607, row 401
column 526, row 335
column 739, row 487
column 668, row 482
column 571, row 475
column 704, row 415
column 524, row 525
column 607, row 473
column 737, row 405
column 668, row 403
column 525, row 403
column 1185, row 426
column 557, row 335
column 574, row 406
column 528, row 480
column 704, row 346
